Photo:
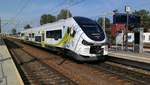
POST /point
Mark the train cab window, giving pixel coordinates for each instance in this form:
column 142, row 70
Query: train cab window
column 90, row 28
column 32, row 35
column 56, row 34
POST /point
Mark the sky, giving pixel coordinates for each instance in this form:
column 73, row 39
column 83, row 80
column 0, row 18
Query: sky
column 18, row 13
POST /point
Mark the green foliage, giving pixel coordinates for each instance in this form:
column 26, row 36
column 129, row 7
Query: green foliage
column 64, row 13
column 27, row 26
column 13, row 31
column 107, row 22
column 107, row 27
column 145, row 18
column 47, row 18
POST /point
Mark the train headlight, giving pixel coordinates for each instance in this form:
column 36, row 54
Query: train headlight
column 86, row 43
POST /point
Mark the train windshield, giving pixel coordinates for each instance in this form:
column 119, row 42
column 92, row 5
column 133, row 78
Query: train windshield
column 91, row 28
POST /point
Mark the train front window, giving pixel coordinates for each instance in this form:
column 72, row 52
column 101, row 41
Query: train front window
column 91, row 28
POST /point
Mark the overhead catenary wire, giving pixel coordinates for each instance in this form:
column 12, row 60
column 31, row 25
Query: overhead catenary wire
column 18, row 13
column 56, row 8
column 52, row 9
column 21, row 9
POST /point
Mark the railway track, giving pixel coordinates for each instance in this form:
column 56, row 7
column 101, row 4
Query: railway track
column 142, row 77
column 36, row 72
column 89, row 74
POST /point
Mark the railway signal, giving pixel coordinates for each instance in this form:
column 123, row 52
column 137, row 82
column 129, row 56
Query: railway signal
column 128, row 22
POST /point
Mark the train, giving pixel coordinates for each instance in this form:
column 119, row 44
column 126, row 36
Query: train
column 79, row 37
column 146, row 37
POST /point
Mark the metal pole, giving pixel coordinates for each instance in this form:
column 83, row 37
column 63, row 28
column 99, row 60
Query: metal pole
column 141, row 40
column 122, row 39
column 126, row 33
column 104, row 22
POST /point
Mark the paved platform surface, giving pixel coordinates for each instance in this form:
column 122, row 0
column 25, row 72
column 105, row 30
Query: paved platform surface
column 144, row 57
column 9, row 74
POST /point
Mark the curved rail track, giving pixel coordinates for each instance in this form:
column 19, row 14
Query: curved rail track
column 35, row 70
column 140, row 76
column 103, row 73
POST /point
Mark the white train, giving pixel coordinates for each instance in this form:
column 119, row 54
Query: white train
column 81, row 38
column 146, row 37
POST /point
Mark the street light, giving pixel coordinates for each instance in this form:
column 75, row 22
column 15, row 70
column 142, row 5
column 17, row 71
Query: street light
column 127, row 10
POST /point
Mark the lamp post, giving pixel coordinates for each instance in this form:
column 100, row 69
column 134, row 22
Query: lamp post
column 104, row 19
column 127, row 10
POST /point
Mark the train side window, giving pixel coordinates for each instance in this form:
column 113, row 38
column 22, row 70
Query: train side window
column 22, row 34
column 32, row 35
column 38, row 38
column 48, row 34
column 149, row 37
column 56, row 34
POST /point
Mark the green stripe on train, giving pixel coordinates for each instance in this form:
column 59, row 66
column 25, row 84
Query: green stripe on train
column 63, row 41
column 66, row 39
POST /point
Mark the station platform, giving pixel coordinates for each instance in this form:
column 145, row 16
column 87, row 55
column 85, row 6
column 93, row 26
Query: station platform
column 9, row 74
column 128, row 55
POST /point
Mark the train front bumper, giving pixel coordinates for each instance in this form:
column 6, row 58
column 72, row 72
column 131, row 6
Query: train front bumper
column 93, row 51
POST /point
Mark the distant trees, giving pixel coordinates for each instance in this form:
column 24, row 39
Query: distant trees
column 107, row 22
column 107, row 26
column 64, row 13
column 47, row 18
column 145, row 18
column 13, row 31
column 27, row 26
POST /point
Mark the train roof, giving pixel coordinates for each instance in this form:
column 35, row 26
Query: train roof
column 58, row 23
column 48, row 25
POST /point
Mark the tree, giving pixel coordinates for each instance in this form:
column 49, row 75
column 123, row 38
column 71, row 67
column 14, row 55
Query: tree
column 64, row 13
column 13, row 31
column 107, row 26
column 145, row 18
column 27, row 26
column 47, row 18
column 107, row 22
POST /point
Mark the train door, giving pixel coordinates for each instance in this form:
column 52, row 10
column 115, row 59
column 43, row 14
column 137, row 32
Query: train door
column 43, row 39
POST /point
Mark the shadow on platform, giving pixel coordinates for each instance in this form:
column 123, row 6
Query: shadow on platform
column 11, row 44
